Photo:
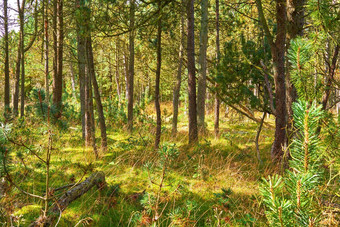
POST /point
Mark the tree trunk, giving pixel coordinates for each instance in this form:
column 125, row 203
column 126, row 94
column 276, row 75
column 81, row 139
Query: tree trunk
column 177, row 86
column 278, row 54
column 117, row 69
column 330, row 78
column 81, row 52
column 55, row 49
column 58, row 77
column 17, row 78
column 73, row 80
column 21, row 16
column 96, row 179
column 47, row 79
column 97, row 96
column 7, row 88
column 201, row 92
column 158, row 75
column 126, row 66
column 217, row 101
column 193, row 132
column 131, row 65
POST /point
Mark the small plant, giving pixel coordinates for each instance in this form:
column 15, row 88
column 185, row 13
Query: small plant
column 291, row 200
column 152, row 202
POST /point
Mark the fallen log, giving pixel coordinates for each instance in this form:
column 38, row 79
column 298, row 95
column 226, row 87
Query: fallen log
column 96, row 179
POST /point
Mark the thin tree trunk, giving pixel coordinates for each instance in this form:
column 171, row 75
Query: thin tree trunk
column 126, row 66
column 177, row 86
column 58, row 77
column 158, row 75
column 217, row 100
column 47, row 82
column 17, row 78
column 201, row 92
column 21, row 16
column 97, row 96
column 117, row 69
column 193, row 132
column 7, row 88
column 55, row 49
column 73, row 80
column 330, row 78
column 131, row 65
column 81, row 51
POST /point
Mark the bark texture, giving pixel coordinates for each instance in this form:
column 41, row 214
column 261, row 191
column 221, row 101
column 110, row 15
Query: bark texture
column 278, row 54
column 193, row 132
column 177, row 87
column 96, row 179
column 201, row 90
column 7, row 88
column 158, row 75
column 97, row 96
column 217, row 100
column 131, row 65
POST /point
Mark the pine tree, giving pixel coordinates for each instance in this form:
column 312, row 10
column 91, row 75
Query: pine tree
column 290, row 200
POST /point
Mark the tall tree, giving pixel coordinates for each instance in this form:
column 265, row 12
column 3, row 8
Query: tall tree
column 193, row 132
column 91, row 71
column 46, row 46
column 277, row 47
column 7, row 88
column 58, row 73
column 177, row 87
column 217, row 100
column 83, row 22
column 158, row 75
column 201, row 90
column 21, row 19
column 131, row 65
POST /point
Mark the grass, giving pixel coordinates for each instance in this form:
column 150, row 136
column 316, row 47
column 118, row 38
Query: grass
column 195, row 181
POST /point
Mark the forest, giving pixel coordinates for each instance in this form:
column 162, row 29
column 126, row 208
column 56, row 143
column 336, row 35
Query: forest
column 169, row 113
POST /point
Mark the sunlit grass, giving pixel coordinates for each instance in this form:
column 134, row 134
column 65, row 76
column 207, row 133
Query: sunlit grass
column 196, row 175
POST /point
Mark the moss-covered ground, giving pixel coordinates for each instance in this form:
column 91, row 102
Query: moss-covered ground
column 213, row 183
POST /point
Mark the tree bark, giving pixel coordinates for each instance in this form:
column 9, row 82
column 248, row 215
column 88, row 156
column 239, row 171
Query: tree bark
column 278, row 54
column 177, row 87
column 97, row 96
column 58, row 77
column 131, row 65
column 81, row 52
column 7, row 88
column 201, row 90
column 217, row 100
column 330, row 78
column 21, row 16
column 117, row 69
column 96, row 179
column 17, row 78
column 158, row 75
column 47, row 76
column 193, row 132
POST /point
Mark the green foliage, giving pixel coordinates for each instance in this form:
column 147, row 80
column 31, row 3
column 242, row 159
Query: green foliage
column 237, row 74
column 290, row 200
column 300, row 57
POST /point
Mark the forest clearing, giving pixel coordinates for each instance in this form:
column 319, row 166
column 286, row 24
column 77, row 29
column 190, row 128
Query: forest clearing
column 169, row 113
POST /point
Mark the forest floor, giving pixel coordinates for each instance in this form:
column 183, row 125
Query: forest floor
column 214, row 183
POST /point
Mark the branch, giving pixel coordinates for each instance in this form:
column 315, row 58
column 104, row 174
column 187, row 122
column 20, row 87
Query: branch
column 269, row 88
column 264, row 22
column 8, row 177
